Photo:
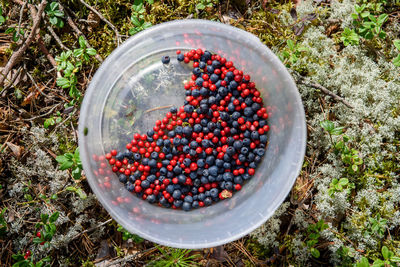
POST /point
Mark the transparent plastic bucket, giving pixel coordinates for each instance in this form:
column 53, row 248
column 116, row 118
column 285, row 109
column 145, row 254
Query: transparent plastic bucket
column 132, row 89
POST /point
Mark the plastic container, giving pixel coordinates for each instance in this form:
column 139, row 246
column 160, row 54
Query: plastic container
column 128, row 94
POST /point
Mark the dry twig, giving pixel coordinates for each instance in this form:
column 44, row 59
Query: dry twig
column 76, row 29
column 91, row 229
column 16, row 56
column 103, row 19
column 324, row 90
column 58, row 40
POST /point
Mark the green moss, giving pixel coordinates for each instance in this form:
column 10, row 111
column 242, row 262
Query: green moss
column 256, row 249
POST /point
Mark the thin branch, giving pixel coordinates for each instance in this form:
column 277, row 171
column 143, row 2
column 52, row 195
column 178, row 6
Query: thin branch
column 20, row 18
column 129, row 257
column 91, row 229
column 55, row 36
column 17, row 55
column 45, row 51
column 103, row 19
column 328, row 92
column 324, row 90
column 76, row 29
column 43, row 115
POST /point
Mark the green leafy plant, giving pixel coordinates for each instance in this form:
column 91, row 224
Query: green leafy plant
column 350, row 157
column 3, row 223
column 137, row 19
column 84, row 52
column 175, row 258
column 389, row 259
column 291, row 53
column 346, row 255
column 377, row 225
column 70, row 63
column 202, row 4
column 126, row 235
column 396, row 60
column 349, row 37
column 313, row 234
column 24, row 261
column 55, row 14
column 71, row 161
column 78, row 191
column 369, row 25
column 14, row 31
column 53, row 120
column 338, row 186
column 2, row 18
column 48, row 229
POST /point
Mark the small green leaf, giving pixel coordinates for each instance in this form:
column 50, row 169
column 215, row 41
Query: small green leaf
column 48, row 122
column 396, row 61
column 382, row 18
column 397, row 44
column 78, row 52
column 354, row 168
column 395, row 259
column 327, row 125
column 200, row 6
column 363, row 262
column 82, row 42
column 10, row 30
column 344, row 181
column 337, row 131
column 91, row 51
column 44, row 218
column 315, row 253
column 76, row 173
column 385, row 252
column 37, row 240
column 63, row 82
column 378, row 263
column 66, row 165
column 58, row 13
column 290, row 44
column 60, row 23
column 135, row 21
column 54, row 217
column 2, row 20
column 81, row 193
column 53, row 20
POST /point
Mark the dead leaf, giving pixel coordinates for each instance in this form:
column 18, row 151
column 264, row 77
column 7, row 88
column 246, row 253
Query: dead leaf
column 293, row 13
column 264, row 3
column 310, row 17
column 219, row 254
column 93, row 20
column 274, row 11
column 104, row 250
column 11, row 216
column 332, row 29
column 17, row 150
column 298, row 30
column 35, row 92
column 226, row 19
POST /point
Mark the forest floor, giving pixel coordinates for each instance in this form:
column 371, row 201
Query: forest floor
column 344, row 207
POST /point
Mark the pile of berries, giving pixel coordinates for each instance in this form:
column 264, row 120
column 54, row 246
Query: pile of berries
column 203, row 151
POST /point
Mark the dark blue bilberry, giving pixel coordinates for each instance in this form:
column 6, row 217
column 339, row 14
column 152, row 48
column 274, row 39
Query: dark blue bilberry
column 145, row 184
column 207, row 201
column 180, row 57
column 186, row 206
column 122, row 178
column 165, row 59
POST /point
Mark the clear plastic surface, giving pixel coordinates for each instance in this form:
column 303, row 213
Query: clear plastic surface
column 131, row 90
